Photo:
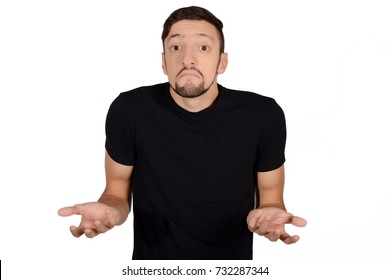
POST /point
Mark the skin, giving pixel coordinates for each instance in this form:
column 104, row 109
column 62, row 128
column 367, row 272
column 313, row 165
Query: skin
column 270, row 218
column 192, row 62
column 112, row 207
column 194, row 45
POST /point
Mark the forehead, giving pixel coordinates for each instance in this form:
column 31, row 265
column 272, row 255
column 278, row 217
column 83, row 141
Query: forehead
column 191, row 28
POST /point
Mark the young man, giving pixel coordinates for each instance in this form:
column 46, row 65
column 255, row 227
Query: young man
column 204, row 164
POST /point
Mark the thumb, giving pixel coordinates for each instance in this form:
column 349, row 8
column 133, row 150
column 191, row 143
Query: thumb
column 68, row 211
column 298, row 221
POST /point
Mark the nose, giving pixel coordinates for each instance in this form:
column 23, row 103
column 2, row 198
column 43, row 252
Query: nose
column 188, row 58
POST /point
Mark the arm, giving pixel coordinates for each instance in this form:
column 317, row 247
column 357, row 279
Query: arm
column 270, row 217
column 116, row 193
column 271, row 187
column 112, row 207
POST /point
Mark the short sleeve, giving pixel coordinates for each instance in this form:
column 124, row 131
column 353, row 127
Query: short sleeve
column 272, row 143
column 120, row 133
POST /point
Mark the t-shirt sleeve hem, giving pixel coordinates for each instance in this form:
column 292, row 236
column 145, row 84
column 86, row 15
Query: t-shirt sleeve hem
column 271, row 167
column 117, row 158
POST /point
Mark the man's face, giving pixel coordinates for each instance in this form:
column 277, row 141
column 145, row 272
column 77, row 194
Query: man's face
column 192, row 58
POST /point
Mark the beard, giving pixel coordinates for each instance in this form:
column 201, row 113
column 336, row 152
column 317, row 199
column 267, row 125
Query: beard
column 190, row 90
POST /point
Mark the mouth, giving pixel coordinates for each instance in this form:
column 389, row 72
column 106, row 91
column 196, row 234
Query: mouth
column 189, row 73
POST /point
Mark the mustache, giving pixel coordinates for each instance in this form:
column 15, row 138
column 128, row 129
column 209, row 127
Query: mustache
column 189, row 68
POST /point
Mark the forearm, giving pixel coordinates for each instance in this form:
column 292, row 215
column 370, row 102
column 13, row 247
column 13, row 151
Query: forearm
column 122, row 205
column 271, row 198
column 271, row 186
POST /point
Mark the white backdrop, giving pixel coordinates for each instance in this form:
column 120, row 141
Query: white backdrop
column 327, row 63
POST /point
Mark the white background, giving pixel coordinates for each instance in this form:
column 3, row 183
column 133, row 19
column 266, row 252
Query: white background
column 327, row 63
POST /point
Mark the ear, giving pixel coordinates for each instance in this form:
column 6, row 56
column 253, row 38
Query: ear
column 164, row 66
column 223, row 63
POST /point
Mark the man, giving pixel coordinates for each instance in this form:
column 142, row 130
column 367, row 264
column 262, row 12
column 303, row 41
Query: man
column 196, row 157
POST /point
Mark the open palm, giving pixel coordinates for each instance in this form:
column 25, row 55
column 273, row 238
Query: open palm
column 96, row 218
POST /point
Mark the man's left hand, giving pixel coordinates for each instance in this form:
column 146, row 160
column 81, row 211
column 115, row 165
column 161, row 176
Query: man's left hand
column 270, row 222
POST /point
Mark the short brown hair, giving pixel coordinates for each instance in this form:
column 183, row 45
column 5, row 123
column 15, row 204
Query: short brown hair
column 194, row 13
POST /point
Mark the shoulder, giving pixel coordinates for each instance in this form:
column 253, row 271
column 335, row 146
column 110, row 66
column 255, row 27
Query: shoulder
column 251, row 101
column 142, row 93
column 140, row 98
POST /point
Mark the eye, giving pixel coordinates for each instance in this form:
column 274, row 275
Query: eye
column 175, row 48
column 204, row 48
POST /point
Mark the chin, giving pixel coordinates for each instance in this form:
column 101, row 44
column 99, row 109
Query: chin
column 189, row 90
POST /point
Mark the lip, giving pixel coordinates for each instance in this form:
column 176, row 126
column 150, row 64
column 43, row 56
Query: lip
column 189, row 73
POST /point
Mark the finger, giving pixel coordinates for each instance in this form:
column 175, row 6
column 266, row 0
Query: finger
column 68, row 211
column 287, row 239
column 252, row 219
column 252, row 224
column 112, row 218
column 76, row 231
column 251, row 215
column 100, row 227
column 263, row 225
column 298, row 221
column 273, row 236
column 90, row 233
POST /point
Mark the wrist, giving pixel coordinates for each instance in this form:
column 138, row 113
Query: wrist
column 272, row 205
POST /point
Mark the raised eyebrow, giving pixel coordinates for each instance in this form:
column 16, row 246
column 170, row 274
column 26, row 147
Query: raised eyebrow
column 174, row 36
column 205, row 35
column 182, row 36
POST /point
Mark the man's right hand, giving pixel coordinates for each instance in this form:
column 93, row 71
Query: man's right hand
column 96, row 218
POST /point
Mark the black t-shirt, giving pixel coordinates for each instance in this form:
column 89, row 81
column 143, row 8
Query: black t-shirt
column 194, row 176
